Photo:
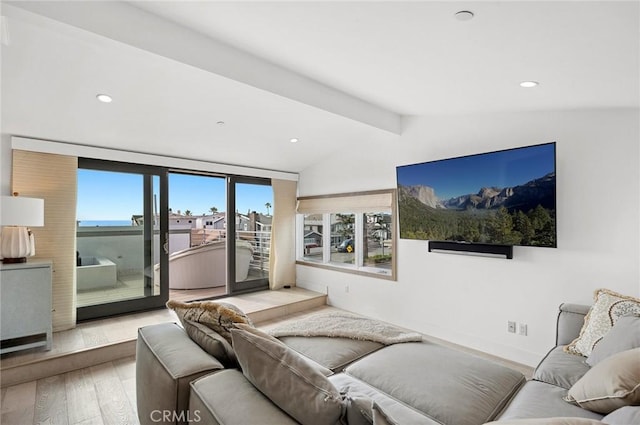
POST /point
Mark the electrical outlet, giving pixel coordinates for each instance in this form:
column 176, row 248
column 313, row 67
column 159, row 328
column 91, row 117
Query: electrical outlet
column 511, row 327
column 522, row 329
column 346, row 288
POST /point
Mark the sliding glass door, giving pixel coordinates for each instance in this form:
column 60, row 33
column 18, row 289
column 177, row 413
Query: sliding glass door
column 219, row 235
column 122, row 229
column 248, row 262
column 146, row 234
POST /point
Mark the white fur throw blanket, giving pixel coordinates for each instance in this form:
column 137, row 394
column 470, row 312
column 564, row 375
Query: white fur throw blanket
column 346, row 325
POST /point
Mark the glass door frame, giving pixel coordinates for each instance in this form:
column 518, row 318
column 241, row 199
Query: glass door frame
column 149, row 301
column 234, row 287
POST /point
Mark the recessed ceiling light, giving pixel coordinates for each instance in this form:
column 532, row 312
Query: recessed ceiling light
column 528, row 84
column 220, row 123
column 464, row 15
column 104, row 98
column 294, row 140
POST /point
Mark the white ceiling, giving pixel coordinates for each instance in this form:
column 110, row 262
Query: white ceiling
column 333, row 74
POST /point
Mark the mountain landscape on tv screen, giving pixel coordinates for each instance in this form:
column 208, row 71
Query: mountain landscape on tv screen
column 518, row 215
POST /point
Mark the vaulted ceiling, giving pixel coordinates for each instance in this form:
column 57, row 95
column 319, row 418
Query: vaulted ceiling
column 233, row 82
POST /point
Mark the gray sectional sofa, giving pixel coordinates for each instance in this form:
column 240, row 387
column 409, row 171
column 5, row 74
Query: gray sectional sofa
column 406, row 383
column 542, row 396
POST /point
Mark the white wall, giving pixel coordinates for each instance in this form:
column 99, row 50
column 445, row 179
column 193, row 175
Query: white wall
column 468, row 300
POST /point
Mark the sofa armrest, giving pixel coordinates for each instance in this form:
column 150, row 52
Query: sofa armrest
column 570, row 321
column 167, row 360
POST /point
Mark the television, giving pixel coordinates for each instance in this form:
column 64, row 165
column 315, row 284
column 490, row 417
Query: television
column 506, row 197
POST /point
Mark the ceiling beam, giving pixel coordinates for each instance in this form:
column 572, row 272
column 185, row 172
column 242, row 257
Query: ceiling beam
column 130, row 25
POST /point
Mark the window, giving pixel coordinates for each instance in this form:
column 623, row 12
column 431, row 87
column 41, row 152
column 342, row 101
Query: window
column 312, row 234
column 353, row 232
column 378, row 245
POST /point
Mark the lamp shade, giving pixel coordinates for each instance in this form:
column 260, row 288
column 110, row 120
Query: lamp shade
column 20, row 211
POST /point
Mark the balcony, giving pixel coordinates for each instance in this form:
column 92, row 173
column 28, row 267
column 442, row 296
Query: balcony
column 112, row 263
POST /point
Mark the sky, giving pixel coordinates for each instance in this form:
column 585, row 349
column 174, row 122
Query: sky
column 105, row 195
column 460, row 176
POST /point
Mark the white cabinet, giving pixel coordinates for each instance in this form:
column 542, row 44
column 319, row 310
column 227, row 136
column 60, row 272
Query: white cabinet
column 25, row 305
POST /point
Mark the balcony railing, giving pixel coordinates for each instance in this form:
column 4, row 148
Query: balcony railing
column 261, row 244
column 122, row 245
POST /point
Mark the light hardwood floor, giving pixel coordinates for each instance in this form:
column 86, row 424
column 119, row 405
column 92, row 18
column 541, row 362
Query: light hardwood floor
column 103, row 394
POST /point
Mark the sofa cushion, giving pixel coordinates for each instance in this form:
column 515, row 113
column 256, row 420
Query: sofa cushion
column 219, row 316
column 450, row 386
column 541, row 400
column 297, row 385
column 395, row 410
column 332, row 353
column 211, row 342
column 612, row 383
column 624, row 335
column 623, row 416
column 607, row 308
column 560, row 368
column 228, row 398
column 548, row 421
column 380, row 417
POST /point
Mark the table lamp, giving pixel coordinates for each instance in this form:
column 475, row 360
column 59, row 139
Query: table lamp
column 16, row 214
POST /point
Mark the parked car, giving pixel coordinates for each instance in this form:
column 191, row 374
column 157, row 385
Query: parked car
column 346, row 246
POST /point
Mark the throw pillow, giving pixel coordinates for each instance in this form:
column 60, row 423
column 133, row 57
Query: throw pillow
column 211, row 342
column 623, row 416
column 612, row 383
column 607, row 308
column 624, row 335
column 221, row 317
column 297, row 385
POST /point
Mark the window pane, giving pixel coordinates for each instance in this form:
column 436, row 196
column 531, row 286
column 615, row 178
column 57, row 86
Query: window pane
column 377, row 241
column 253, row 231
column 342, row 238
column 197, row 236
column 112, row 246
column 108, row 199
column 313, row 232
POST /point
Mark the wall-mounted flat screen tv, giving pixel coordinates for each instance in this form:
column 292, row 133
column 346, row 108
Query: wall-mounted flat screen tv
column 505, row 197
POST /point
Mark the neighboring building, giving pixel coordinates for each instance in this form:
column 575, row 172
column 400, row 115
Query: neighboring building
column 207, row 228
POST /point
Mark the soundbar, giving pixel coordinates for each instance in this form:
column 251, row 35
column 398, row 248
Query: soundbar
column 472, row 248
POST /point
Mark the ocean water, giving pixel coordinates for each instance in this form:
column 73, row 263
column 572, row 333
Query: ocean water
column 103, row 223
